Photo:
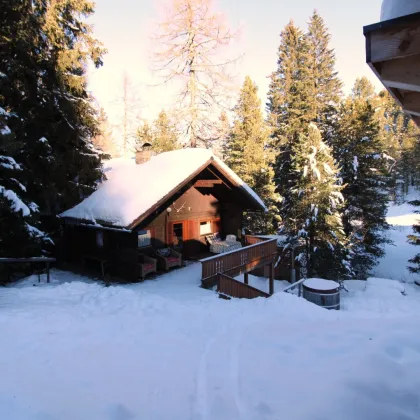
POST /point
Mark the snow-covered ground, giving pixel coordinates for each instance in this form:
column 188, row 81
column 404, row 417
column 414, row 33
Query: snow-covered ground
column 394, row 264
column 167, row 350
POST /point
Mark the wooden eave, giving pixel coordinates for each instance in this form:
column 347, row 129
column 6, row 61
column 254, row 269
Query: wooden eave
column 393, row 53
column 187, row 181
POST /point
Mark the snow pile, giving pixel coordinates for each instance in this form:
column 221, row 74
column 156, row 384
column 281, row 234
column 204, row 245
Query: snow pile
column 131, row 190
column 396, row 8
column 166, row 349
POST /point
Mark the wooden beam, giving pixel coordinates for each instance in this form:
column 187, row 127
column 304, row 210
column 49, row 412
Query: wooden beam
column 246, row 279
column 207, row 183
column 403, row 73
column 395, row 41
column 411, row 103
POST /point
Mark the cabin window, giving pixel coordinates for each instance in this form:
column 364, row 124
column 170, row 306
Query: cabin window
column 205, row 228
column 100, row 239
column 144, row 238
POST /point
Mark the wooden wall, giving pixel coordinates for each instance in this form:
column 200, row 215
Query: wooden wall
column 192, row 208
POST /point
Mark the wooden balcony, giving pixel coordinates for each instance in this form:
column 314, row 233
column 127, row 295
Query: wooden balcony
column 241, row 261
column 393, row 53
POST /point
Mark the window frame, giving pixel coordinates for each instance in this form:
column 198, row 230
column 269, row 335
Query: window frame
column 147, row 238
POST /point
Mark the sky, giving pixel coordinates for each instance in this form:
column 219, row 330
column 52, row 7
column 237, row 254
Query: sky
column 125, row 28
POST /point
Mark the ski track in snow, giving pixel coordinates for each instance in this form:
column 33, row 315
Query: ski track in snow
column 201, row 387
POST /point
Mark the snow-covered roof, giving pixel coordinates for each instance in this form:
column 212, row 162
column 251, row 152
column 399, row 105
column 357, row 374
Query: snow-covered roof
column 131, row 190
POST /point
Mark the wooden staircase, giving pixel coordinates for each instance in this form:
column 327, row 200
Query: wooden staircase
column 220, row 269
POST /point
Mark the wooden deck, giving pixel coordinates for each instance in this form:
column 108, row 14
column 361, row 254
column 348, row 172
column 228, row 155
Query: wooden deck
column 241, row 261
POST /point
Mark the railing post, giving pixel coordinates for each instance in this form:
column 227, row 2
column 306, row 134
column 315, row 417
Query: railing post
column 246, row 280
column 271, row 287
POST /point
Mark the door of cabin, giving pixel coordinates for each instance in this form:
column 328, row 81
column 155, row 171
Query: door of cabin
column 177, row 234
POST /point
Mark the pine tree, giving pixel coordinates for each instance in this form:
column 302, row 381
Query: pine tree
column 363, row 167
column 314, row 221
column 165, row 137
column 325, row 85
column 289, row 103
column 65, row 165
column 144, row 135
column 247, row 153
column 414, row 239
column 19, row 227
column 162, row 135
column 45, row 47
column 363, row 89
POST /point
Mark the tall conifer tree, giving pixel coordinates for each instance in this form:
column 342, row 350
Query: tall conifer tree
column 314, row 224
column 45, row 48
column 363, row 168
column 165, row 136
column 324, row 82
column 288, row 105
column 248, row 154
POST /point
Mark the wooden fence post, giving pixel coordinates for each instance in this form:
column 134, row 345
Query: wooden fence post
column 271, row 287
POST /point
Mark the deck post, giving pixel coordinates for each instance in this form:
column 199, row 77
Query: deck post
column 271, row 286
column 48, row 271
column 246, row 280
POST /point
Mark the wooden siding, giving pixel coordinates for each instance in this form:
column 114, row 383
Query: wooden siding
column 190, row 209
column 227, row 286
column 393, row 54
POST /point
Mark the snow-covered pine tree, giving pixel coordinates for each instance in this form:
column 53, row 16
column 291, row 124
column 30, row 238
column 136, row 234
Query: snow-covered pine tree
column 364, row 169
column 58, row 150
column 289, row 104
column 20, row 235
column 414, row 239
column 324, row 82
column 313, row 223
column 247, row 153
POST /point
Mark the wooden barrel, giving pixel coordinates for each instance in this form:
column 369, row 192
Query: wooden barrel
column 324, row 293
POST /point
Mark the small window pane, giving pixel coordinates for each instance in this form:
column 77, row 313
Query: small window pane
column 144, row 238
column 100, row 239
column 205, row 228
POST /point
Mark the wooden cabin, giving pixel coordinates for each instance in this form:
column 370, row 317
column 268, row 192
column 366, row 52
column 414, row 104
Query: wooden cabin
column 393, row 53
column 172, row 200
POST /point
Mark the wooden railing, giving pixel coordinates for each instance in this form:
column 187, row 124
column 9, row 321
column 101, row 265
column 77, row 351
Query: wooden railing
column 238, row 262
column 252, row 240
column 229, row 287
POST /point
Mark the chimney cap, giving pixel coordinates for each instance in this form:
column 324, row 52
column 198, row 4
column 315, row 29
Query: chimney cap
column 144, row 147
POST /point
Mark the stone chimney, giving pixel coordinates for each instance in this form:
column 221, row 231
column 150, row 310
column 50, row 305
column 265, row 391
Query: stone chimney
column 144, row 153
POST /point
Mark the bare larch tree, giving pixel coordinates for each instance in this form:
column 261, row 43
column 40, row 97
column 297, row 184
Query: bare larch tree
column 189, row 43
